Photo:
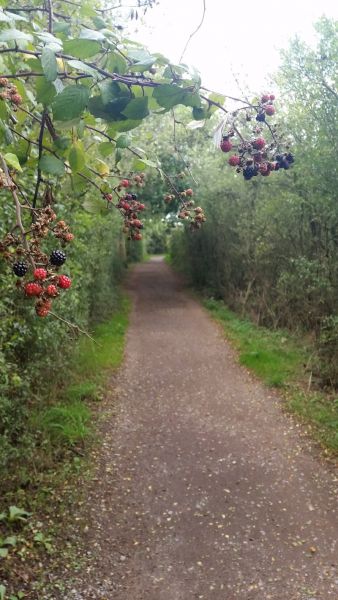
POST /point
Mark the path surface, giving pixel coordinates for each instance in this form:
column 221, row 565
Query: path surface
column 204, row 489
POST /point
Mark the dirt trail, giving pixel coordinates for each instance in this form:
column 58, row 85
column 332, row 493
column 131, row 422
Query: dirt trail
column 204, row 489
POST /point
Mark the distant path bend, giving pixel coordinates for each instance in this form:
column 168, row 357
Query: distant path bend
column 204, row 489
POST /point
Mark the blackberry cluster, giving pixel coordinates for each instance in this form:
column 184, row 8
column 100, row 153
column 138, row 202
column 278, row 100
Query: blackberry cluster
column 10, row 92
column 43, row 283
column 255, row 155
column 129, row 207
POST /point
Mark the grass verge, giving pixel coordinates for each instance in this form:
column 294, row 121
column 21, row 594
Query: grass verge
column 278, row 358
column 67, row 421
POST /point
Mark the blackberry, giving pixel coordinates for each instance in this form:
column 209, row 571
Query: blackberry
column 134, row 196
column 57, row 258
column 290, row 158
column 260, row 117
column 20, row 269
column 249, row 172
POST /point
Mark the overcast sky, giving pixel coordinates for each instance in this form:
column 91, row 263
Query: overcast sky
column 241, row 37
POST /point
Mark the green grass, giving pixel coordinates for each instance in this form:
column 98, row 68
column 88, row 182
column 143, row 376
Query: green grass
column 278, row 358
column 66, row 422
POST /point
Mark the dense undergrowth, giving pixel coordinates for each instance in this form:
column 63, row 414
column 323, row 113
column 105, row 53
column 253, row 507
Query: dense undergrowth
column 40, row 533
column 38, row 357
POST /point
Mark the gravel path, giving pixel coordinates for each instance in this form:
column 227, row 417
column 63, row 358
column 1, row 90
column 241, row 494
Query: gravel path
column 204, row 488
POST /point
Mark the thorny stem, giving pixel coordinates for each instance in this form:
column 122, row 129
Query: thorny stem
column 74, row 327
column 11, row 186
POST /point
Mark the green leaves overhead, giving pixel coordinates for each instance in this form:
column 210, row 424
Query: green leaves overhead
column 81, row 48
column 51, row 165
column 70, row 103
column 137, row 108
column 15, row 35
column 49, row 64
column 78, row 65
column 76, row 157
column 169, row 95
column 45, row 91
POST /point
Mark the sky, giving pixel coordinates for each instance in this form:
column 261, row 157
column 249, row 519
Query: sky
column 238, row 38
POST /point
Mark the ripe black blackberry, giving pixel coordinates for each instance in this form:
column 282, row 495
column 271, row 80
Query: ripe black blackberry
column 250, row 172
column 57, row 258
column 260, row 117
column 20, row 268
column 134, row 196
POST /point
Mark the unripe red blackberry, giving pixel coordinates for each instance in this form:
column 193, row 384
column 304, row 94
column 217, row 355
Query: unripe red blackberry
column 52, row 290
column 42, row 308
column 226, row 145
column 189, row 192
column 40, row 274
column 124, row 183
column 3, row 82
column 258, row 143
column 265, row 98
column 270, row 110
column 20, row 269
column 64, row 282
column 57, row 258
column 16, row 99
column 234, row 160
column 33, row 289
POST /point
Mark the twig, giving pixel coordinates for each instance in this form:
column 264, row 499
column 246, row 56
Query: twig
column 194, row 32
column 50, row 15
column 40, row 143
column 11, row 186
column 74, row 327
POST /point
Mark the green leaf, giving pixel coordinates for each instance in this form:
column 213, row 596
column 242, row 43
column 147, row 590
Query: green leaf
column 83, row 68
column 70, row 103
column 81, row 48
column 45, row 91
column 106, row 148
column 3, row 554
column 137, row 108
column 116, row 63
column 76, row 157
column 140, row 164
column 110, row 111
column 91, row 34
column 192, row 99
column 143, row 65
column 94, row 205
column 126, row 125
column 199, row 113
column 110, row 91
column 2, row 592
column 17, row 514
column 10, row 541
column 13, row 161
column 4, row 114
column 123, row 141
column 49, row 39
column 168, row 95
column 51, row 165
column 49, row 64
column 14, row 35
